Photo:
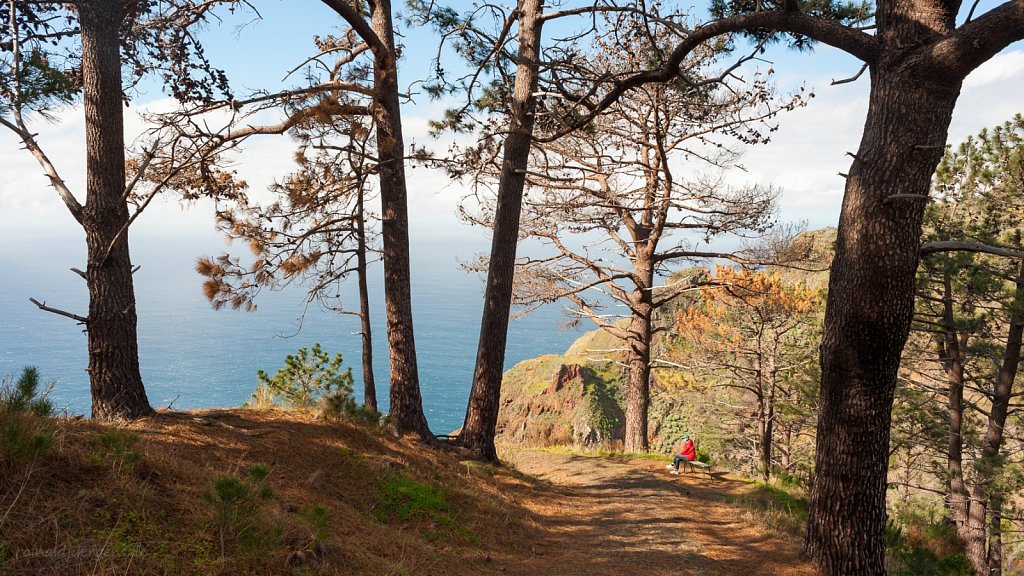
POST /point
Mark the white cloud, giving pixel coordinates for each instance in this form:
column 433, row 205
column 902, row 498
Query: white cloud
column 809, row 151
column 990, row 96
column 804, row 160
column 1002, row 67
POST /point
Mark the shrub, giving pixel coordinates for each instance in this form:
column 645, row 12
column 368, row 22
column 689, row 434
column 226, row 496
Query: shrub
column 790, row 480
column 25, row 395
column 25, row 432
column 308, row 378
column 922, row 546
column 237, row 508
column 117, row 448
column 318, row 520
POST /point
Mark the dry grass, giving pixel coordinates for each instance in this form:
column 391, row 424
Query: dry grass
column 130, row 500
column 350, row 499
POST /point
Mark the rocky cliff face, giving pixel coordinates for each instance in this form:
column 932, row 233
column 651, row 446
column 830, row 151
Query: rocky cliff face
column 556, row 400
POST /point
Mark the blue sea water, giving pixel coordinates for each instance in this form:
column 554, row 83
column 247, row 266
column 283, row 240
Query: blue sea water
column 196, row 357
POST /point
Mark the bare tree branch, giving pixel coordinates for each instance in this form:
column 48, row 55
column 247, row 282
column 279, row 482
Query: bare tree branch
column 961, row 246
column 43, row 306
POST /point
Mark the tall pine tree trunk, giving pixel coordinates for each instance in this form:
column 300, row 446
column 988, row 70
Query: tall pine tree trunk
column 366, row 335
column 983, row 494
column 766, row 437
column 870, row 304
column 117, row 390
column 482, row 411
column 952, row 360
column 406, row 410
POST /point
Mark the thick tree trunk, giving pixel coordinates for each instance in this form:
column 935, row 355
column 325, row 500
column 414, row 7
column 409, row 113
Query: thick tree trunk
column 870, row 304
column 640, row 331
column 639, row 390
column 482, row 411
column 369, row 386
column 949, row 354
column 406, row 410
column 638, row 394
column 982, row 496
column 117, row 390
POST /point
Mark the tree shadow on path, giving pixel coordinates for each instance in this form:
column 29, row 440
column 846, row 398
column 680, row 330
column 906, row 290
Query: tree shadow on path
column 609, row 516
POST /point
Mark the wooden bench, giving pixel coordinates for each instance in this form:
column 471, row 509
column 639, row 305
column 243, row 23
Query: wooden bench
column 693, row 465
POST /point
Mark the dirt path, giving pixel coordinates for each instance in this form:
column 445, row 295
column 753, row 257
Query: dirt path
column 619, row 517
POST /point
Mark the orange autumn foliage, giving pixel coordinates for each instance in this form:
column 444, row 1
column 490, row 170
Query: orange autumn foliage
column 741, row 297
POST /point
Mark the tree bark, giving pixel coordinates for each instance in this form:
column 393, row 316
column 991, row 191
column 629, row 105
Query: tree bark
column 638, row 394
column 369, row 386
column 406, row 410
column 786, row 448
column 767, row 429
column 115, row 380
column 995, row 543
column 482, row 411
column 870, row 304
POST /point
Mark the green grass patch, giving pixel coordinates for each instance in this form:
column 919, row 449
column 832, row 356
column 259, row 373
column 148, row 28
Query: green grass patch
column 402, row 498
column 920, row 546
column 601, row 453
column 777, row 508
column 319, row 521
column 405, row 499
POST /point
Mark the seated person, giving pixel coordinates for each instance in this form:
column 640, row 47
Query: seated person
column 686, row 452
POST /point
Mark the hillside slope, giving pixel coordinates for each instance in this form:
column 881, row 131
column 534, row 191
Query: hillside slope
column 184, row 493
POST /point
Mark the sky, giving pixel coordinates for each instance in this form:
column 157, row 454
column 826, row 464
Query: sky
column 803, row 159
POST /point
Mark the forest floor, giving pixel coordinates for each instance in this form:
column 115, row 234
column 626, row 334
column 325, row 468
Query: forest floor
column 182, row 493
column 620, row 516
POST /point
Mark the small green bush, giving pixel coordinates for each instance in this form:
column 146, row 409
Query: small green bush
column 25, row 430
column 117, row 448
column 337, row 406
column 237, row 509
column 308, row 378
column 318, row 520
column 790, row 481
column 25, row 394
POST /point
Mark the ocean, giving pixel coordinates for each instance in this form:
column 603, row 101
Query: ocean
column 192, row 356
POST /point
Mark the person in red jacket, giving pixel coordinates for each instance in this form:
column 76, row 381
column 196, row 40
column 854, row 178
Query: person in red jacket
column 686, row 452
